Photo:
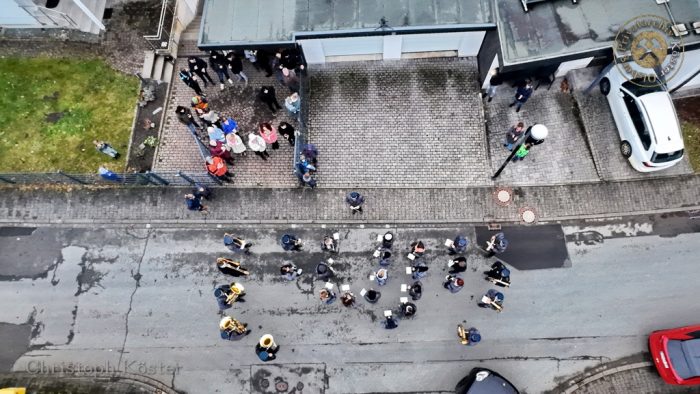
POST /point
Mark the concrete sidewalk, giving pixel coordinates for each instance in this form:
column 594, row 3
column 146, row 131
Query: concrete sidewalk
column 470, row 205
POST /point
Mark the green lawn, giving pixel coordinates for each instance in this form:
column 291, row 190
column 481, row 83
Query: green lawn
column 96, row 102
column 691, row 137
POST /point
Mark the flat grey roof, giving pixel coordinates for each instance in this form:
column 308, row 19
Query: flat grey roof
column 559, row 27
column 237, row 22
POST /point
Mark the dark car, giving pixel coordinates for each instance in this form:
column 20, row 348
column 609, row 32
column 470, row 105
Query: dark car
column 484, row 381
column 676, row 354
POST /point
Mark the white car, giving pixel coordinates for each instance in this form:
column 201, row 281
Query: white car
column 646, row 120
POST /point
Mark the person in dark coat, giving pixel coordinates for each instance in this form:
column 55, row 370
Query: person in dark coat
column 513, row 135
column 236, row 244
column 458, row 265
column 287, row 131
column 522, row 94
column 201, row 191
column 217, row 61
column 348, row 299
column 459, row 245
column 194, row 203
column 499, row 272
column 327, row 296
column 419, row 269
column 188, row 79
column 453, row 283
column 408, row 309
column 290, row 271
column 265, row 354
column 290, row 242
column 290, row 58
column 492, row 299
column 497, row 244
column 329, row 244
column 236, row 66
column 390, row 323
column 184, row 115
column 268, row 96
column 230, row 267
column 416, row 290
column 372, row 296
column 355, row 200
column 198, row 66
column 385, row 258
column 324, row 271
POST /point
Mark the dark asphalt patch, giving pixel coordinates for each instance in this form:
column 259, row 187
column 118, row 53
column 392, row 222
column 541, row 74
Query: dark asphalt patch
column 15, row 342
column 530, row 247
column 16, row 231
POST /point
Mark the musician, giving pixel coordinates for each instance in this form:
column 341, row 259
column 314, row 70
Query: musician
column 372, row 296
column 500, row 273
column 468, row 337
column 230, row 267
column 390, row 323
column 459, row 245
column 237, row 244
column 324, row 271
column 226, row 295
column 387, row 240
column 416, row 290
column 385, row 258
column 408, row 309
column 329, row 244
column 417, row 248
column 265, row 354
column 419, row 269
column 453, row 283
column 382, row 276
column 348, row 299
column 290, row 242
column 231, row 329
column 290, row 271
column 327, row 296
column 458, row 265
column 492, row 299
column 497, row 244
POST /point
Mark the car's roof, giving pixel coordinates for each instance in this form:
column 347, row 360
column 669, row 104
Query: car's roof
column 493, row 384
column 664, row 123
column 685, row 357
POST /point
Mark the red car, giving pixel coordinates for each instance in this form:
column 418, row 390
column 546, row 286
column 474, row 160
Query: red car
column 676, row 354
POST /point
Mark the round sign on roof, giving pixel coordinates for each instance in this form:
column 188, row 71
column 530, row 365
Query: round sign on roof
column 528, row 215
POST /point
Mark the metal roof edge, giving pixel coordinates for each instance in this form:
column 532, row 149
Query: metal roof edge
column 454, row 28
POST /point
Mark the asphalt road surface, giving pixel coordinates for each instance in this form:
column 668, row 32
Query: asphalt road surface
column 141, row 301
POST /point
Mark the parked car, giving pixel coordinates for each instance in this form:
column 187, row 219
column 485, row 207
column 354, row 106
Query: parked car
column 646, row 120
column 484, row 381
column 676, row 354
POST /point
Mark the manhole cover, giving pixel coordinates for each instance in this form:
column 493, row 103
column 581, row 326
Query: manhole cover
column 503, row 196
column 528, row 215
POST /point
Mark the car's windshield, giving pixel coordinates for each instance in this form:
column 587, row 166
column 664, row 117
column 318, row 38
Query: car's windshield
column 666, row 157
column 639, row 88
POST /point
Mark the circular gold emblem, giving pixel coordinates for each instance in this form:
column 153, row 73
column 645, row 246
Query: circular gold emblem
column 649, row 49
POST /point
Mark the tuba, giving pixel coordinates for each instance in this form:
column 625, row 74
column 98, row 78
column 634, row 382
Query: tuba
column 236, row 290
column 267, row 342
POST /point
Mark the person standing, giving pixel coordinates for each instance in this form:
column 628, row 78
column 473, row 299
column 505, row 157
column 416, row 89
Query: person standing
column 513, row 135
column 268, row 133
column 229, row 125
column 235, row 142
column 308, row 180
column 355, row 201
column 290, row 80
column 215, row 134
column 492, row 299
column 382, row 275
column 290, row 58
column 188, row 79
column 468, row 337
column 217, row 61
column 522, row 94
column 219, row 149
column 210, row 117
column 327, row 296
column 293, row 104
column 236, row 66
column 194, row 203
column 457, row 265
column 257, row 144
column 290, row 242
column 497, row 244
column 287, row 131
column 290, row 271
column 324, row 271
column 268, row 95
column 459, row 245
column 496, row 80
column 453, row 283
column 216, row 167
column 522, row 151
column 266, row 348
column 185, row 117
column 231, row 329
column 198, row 66
column 200, row 105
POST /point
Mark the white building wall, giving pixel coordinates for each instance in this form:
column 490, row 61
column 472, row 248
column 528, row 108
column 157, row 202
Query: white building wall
column 12, row 15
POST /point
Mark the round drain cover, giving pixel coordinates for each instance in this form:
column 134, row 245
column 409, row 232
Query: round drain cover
column 503, row 196
column 528, row 215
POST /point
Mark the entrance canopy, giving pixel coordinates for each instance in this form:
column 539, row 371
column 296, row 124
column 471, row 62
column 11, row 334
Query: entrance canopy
column 228, row 23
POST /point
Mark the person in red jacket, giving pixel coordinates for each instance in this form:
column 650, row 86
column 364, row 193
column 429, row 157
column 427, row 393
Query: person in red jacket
column 217, row 168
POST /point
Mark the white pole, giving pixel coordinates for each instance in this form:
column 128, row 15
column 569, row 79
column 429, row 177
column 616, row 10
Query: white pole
column 89, row 13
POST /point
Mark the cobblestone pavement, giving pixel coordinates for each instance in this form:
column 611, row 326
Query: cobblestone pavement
column 605, row 141
column 178, row 151
column 638, row 381
column 564, row 157
column 416, row 123
column 423, row 205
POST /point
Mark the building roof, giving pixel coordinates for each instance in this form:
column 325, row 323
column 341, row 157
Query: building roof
column 240, row 22
column 559, row 27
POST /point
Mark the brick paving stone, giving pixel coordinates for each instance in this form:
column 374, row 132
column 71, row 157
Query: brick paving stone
column 409, row 123
column 412, row 205
column 604, row 141
column 637, row 381
column 563, row 158
column 178, row 151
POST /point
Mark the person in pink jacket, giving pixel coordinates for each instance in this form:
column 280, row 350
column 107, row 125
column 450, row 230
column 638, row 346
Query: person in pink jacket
column 269, row 134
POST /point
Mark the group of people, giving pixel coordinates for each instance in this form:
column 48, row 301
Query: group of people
column 230, row 293
column 224, row 139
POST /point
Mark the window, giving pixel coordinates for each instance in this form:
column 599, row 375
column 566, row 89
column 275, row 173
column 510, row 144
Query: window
column 634, row 87
column 666, row 157
column 636, row 117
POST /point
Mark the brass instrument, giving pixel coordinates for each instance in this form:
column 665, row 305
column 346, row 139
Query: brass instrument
column 462, row 333
column 230, row 324
column 228, row 263
column 267, row 342
column 236, row 291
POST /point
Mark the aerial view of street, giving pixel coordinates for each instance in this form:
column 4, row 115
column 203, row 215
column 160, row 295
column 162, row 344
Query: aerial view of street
column 331, row 196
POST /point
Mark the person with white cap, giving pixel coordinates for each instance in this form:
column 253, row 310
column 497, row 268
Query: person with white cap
column 257, row 144
column 235, row 143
